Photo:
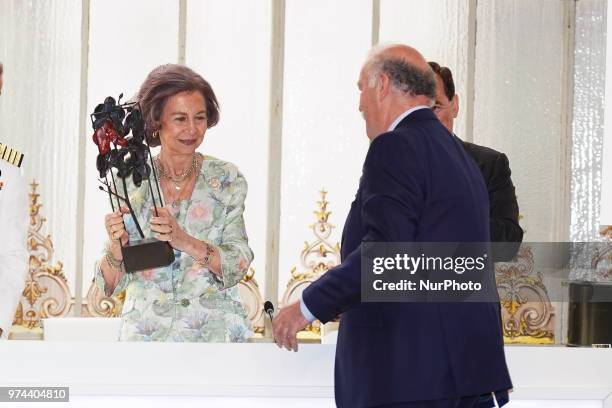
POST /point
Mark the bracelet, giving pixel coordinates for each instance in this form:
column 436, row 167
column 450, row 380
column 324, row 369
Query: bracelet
column 112, row 262
column 205, row 261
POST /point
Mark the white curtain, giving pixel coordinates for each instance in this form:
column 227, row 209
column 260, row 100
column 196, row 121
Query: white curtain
column 40, row 47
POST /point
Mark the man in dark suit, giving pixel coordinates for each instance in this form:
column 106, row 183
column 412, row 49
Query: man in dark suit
column 504, row 210
column 418, row 185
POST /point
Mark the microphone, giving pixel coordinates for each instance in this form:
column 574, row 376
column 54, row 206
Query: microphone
column 269, row 309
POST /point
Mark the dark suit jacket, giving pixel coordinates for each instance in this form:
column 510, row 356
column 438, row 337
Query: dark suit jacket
column 504, row 210
column 418, row 185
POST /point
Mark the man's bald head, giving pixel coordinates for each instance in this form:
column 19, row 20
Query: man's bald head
column 394, row 79
column 408, row 71
column 401, row 52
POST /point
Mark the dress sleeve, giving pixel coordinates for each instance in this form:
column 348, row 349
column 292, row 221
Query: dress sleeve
column 99, row 279
column 236, row 255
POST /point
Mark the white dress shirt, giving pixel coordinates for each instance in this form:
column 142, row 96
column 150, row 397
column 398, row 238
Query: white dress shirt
column 403, row 115
column 13, row 236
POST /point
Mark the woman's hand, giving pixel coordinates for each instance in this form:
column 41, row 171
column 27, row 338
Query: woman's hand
column 115, row 228
column 167, row 229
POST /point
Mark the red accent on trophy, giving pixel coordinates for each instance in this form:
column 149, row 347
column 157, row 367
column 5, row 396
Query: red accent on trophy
column 119, row 133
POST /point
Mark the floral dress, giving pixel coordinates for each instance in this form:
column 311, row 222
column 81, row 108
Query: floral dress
column 184, row 301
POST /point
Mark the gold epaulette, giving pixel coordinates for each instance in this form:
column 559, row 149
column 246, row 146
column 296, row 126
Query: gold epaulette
column 10, row 155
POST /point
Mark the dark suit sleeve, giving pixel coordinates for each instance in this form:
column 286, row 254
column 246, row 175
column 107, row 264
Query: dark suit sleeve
column 504, row 210
column 391, row 198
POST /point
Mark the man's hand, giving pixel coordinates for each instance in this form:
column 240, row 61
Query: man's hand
column 286, row 325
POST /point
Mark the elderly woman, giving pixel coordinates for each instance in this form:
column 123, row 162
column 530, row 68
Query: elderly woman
column 195, row 298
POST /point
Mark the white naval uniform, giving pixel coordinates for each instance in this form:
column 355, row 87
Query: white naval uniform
column 13, row 235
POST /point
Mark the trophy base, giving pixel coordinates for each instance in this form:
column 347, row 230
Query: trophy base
column 146, row 254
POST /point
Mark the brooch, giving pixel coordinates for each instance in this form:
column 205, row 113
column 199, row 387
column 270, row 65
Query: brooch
column 213, row 182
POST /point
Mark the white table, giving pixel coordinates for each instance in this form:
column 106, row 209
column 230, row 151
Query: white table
column 230, row 375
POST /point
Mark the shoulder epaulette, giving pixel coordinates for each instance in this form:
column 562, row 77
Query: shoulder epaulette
column 10, row 155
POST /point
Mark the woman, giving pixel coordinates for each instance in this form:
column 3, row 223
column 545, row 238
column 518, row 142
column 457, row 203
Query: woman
column 195, row 298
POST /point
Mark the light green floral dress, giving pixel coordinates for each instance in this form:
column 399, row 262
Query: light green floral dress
column 183, row 301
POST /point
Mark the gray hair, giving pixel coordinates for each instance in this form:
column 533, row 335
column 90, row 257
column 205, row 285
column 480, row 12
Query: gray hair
column 405, row 77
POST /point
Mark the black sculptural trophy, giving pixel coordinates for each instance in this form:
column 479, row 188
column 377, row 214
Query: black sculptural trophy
column 128, row 156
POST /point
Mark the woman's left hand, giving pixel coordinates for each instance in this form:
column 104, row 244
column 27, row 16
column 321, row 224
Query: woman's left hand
column 167, row 229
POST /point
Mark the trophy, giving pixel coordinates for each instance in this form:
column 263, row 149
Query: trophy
column 119, row 133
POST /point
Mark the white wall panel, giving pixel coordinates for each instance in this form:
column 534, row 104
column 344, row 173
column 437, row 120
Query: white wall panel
column 228, row 43
column 587, row 126
column 39, row 108
column 324, row 139
column 518, row 101
column 606, row 205
column 127, row 39
column 439, row 30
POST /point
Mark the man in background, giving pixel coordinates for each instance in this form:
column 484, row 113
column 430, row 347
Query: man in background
column 13, row 235
column 494, row 166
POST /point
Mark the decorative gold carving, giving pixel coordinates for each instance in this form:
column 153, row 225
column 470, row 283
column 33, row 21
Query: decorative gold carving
column 46, row 293
column 601, row 261
column 527, row 313
column 320, row 255
column 97, row 304
column 317, row 257
column 252, row 300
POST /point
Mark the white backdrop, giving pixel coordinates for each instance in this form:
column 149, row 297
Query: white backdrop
column 39, row 109
column 235, row 59
column 518, row 71
column 439, row 30
column 119, row 69
column 606, row 190
column 324, row 141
